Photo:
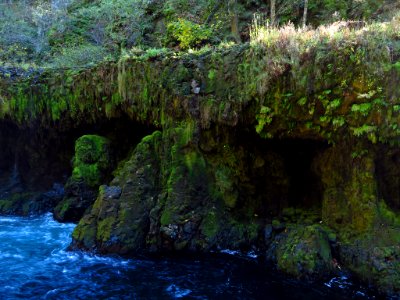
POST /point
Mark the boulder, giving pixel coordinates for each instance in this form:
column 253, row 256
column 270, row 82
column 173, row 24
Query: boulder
column 92, row 164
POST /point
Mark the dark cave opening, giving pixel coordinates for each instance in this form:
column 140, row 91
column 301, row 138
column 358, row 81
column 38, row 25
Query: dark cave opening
column 33, row 158
column 286, row 178
column 388, row 176
column 305, row 187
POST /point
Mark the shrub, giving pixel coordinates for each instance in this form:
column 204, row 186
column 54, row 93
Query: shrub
column 80, row 56
column 188, row 34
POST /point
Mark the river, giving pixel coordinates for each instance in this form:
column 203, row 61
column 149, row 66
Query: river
column 36, row 265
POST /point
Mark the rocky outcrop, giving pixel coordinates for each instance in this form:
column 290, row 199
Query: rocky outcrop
column 92, row 163
column 167, row 202
column 120, row 218
column 172, row 195
column 31, row 203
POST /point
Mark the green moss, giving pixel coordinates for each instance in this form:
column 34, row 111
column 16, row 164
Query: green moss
column 92, row 159
column 388, row 216
column 86, row 234
column 6, row 205
column 104, row 229
column 166, row 218
column 20, row 203
column 62, row 208
column 210, row 225
column 226, row 177
column 91, row 174
column 349, row 200
column 305, row 253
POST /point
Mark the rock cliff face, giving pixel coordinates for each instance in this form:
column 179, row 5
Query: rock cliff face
column 254, row 148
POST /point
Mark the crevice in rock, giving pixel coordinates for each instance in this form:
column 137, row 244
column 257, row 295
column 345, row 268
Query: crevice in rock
column 388, row 176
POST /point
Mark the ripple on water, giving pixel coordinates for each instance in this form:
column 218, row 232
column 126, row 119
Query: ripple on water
column 35, row 265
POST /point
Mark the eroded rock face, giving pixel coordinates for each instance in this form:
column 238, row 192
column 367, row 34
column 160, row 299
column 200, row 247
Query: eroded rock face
column 170, row 195
column 120, row 218
column 353, row 205
column 92, row 163
column 378, row 265
column 350, row 192
column 167, row 203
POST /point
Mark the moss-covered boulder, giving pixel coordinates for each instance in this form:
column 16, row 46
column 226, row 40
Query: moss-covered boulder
column 167, row 203
column 92, row 159
column 120, row 218
column 305, row 253
column 375, row 259
column 92, row 164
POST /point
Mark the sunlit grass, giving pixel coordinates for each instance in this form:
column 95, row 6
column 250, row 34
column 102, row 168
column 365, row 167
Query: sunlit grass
column 262, row 34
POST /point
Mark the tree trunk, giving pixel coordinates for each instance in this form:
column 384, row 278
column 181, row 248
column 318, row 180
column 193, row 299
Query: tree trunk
column 273, row 12
column 235, row 22
column 305, row 13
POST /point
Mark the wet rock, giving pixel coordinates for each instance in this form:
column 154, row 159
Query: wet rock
column 377, row 265
column 57, row 192
column 170, row 231
column 112, row 192
column 31, row 203
column 268, row 232
column 278, row 225
column 305, row 253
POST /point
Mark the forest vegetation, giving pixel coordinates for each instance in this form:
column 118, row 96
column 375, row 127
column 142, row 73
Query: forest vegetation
column 67, row 33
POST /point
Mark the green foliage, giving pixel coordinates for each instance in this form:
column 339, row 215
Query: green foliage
column 80, row 56
column 364, row 129
column 188, row 34
column 38, row 32
column 363, row 108
column 15, row 53
column 387, row 215
column 264, row 117
column 17, row 33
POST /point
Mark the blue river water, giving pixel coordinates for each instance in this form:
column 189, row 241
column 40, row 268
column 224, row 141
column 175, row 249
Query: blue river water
column 34, row 264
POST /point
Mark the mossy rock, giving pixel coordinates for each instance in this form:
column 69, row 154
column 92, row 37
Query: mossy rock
column 375, row 259
column 118, row 221
column 28, row 203
column 92, row 164
column 350, row 202
column 78, row 198
column 305, row 253
column 92, row 159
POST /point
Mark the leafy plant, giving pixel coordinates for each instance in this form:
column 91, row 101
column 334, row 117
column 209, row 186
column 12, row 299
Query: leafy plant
column 188, row 34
